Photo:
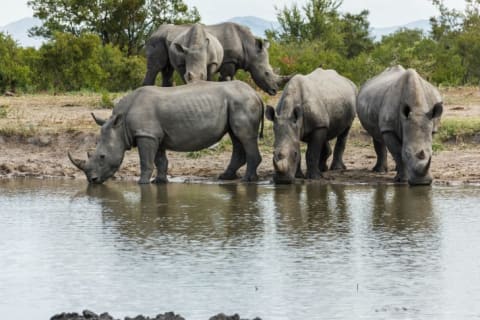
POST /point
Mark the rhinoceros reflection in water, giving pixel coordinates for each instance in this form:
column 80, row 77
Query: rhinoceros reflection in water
column 183, row 118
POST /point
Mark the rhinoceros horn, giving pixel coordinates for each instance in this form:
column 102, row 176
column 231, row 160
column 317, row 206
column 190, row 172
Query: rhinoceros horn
column 99, row 121
column 80, row 164
column 282, row 80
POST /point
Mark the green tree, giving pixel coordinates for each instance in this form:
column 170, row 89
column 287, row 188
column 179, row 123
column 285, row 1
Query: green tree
column 126, row 23
column 13, row 72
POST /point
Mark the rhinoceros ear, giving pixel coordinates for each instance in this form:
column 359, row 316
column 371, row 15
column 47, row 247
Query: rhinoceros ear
column 181, row 48
column 297, row 113
column 259, row 44
column 270, row 113
column 117, row 120
column 437, row 110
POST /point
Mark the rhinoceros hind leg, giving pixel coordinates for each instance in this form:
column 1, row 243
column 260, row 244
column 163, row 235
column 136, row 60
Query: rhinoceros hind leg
column 253, row 159
column 381, row 151
column 147, row 149
column 324, row 155
column 167, row 76
column 337, row 162
column 161, row 162
column 237, row 160
column 299, row 174
column 227, row 71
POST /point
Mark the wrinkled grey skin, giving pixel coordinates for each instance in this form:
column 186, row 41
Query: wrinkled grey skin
column 184, row 118
column 401, row 111
column 314, row 108
column 241, row 51
column 196, row 54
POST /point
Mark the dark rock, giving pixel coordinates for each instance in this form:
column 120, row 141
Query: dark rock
column 89, row 315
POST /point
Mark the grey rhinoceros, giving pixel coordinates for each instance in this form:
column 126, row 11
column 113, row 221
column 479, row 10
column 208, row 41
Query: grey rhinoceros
column 241, row 51
column 196, row 54
column 401, row 111
column 314, row 108
column 183, row 118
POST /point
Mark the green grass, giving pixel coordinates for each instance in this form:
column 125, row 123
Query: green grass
column 457, row 130
column 3, row 111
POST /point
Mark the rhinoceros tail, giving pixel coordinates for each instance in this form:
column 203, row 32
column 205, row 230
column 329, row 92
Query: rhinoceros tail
column 262, row 119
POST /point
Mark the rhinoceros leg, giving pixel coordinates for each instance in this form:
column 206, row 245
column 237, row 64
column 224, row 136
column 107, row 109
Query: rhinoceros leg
column 394, row 145
column 147, row 149
column 316, row 141
column 337, row 162
column 238, row 159
column 167, row 76
column 161, row 162
column 324, row 154
column 299, row 174
column 253, row 158
column 227, row 71
column 381, row 151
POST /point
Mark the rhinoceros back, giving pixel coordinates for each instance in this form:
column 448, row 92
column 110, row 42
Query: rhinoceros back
column 327, row 98
column 189, row 117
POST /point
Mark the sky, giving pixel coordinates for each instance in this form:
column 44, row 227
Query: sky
column 383, row 13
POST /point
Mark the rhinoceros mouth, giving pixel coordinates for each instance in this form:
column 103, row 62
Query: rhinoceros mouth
column 272, row 92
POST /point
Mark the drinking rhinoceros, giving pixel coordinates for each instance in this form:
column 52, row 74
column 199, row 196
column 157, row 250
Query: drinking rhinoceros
column 196, row 54
column 314, row 108
column 183, row 118
column 401, row 111
column 241, row 51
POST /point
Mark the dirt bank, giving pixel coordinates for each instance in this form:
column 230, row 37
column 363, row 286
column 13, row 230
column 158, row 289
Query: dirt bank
column 37, row 131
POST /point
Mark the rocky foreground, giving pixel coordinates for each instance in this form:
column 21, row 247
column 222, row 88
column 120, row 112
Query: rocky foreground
column 86, row 314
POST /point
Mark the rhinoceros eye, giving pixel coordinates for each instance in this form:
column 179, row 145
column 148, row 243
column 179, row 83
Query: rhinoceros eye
column 406, row 111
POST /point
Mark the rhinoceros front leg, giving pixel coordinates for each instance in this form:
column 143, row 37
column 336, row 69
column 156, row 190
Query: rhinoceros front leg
column 381, row 151
column 337, row 162
column 161, row 162
column 394, row 145
column 211, row 69
column 316, row 142
column 147, row 149
column 238, row 159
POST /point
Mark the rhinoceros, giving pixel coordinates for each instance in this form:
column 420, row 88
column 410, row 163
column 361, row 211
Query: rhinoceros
column 196, row 54
column 183, row 118
column 401, row 111
column 241, row 51
column 314, row 108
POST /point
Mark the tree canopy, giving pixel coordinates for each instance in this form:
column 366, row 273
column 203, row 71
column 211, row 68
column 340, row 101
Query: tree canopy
column 125, row 23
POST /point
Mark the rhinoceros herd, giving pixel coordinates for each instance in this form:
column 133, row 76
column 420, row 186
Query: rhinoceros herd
column 398, row 108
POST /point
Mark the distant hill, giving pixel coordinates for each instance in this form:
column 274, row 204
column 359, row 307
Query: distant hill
column 19, row 31
column 256, row 25
column 423, row 25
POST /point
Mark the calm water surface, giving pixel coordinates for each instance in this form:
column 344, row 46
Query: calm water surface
column 287, row 252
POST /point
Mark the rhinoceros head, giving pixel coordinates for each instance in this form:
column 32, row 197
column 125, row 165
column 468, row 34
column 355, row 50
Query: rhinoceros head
column 286, row 155
column 418, row 125
column 261, row 71
column 420, row 110
column 109, row 152
column 196, row 61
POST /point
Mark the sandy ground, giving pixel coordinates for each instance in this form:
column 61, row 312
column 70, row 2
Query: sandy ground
column 36, row 131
